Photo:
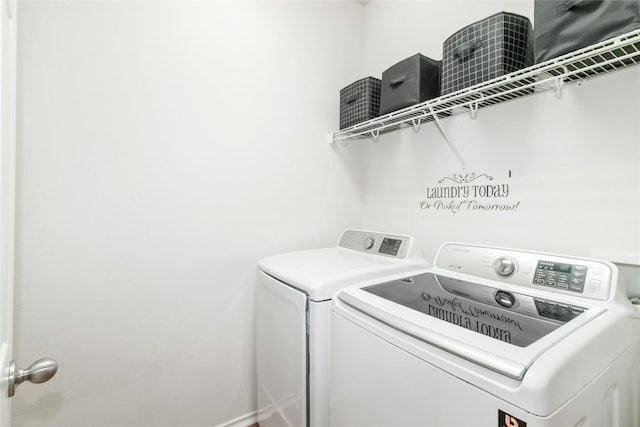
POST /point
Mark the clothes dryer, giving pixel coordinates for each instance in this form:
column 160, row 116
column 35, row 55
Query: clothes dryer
column 294, row 293
column 487, row 337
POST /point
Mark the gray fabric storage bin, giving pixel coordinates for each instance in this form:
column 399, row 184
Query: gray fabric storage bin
column 411, row 81
column 497, row 45
column 562, row 26
column 359, row 102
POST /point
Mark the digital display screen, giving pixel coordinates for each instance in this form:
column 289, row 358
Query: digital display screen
column 390, row 246
column 554, row 266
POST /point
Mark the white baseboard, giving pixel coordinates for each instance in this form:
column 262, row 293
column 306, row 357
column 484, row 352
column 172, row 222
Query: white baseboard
column 243, row 421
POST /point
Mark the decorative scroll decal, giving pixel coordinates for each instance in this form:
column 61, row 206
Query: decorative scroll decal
column 459, row 179
column 469, row 192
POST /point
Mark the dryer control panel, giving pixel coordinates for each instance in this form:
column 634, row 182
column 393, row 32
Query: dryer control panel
column 581, row 277
column 371, row 242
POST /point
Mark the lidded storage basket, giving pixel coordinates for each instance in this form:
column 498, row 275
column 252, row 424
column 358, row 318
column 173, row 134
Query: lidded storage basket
column 410, row 81
column 484, row 50
column 562, row 26
column 359, row 102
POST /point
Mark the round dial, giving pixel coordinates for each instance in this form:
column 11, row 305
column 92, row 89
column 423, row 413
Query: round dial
column 368, row 242
column 505, row 266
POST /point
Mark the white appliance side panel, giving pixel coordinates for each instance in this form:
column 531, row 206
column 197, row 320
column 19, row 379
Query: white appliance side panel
column 375, row 383
column 281, row 353
column 319, row 319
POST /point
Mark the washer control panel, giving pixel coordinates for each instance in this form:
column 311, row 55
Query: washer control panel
column 389, row 245
column 581, row 277
column 559, row 275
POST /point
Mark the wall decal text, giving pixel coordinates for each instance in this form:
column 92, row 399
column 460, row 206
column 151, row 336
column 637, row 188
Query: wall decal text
column 469, row 192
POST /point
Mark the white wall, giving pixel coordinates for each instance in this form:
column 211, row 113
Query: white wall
column 164, row 147
column 574, row 161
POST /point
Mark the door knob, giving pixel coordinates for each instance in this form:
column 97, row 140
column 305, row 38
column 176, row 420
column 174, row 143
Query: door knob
column 40, row 371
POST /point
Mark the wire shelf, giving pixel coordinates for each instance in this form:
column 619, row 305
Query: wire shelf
column 612, row 55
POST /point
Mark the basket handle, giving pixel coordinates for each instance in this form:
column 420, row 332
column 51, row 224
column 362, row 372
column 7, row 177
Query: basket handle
column 397, row 81
column 567, row 6
column 465, row 50
column 353, row 98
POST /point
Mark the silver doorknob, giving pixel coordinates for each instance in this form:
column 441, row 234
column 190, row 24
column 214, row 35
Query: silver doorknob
column 40, row 371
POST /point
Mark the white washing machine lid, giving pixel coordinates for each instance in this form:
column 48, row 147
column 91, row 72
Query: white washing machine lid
column 581, row 320
column 539, row 378
column 505, row 342
column 321, row 273
column 502, row 308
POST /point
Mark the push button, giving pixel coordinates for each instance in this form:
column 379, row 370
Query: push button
column 576, row 287
column 594, row 285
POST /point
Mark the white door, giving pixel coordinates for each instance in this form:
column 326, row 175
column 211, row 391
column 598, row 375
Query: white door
column 7, row 174
column 41, row 370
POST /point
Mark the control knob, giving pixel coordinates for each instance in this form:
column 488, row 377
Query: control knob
column 368, row 242
column 505, row 299
column 505, row 266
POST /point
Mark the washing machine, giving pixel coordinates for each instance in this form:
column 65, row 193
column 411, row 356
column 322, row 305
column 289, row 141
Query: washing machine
column 293, row 300
column 487, row 337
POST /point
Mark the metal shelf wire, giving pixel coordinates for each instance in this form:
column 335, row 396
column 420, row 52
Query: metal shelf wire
column 612, row 55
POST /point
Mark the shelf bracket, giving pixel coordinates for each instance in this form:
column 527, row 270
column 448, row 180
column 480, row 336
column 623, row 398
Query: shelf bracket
column 446, row 138
column 473, row 107
column 375, row 134
column 559, row 82
column 331, row 139
column 416, row 124
column 473, row 110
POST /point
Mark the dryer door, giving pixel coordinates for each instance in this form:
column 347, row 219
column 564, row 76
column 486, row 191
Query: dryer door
column 282, row 350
